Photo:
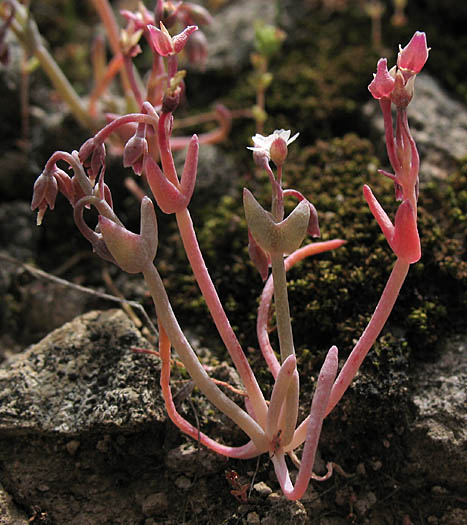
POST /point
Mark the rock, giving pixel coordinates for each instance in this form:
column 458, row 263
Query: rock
column 231, row 34
column 438, row 441
column 438, row 123
column 155, row 504
column 262, row 489
column 253, row 518
column 187, row 458
column 9, row 514
column 82, row 377
column 81, row 420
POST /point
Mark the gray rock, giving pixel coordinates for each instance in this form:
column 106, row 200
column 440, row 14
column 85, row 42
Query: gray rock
column 438, row 123
column 80, row 420
column 231, row 35
column 82, row 377
column 438, row 441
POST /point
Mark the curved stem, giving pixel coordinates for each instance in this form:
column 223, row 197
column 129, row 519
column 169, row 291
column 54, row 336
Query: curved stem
column 73, row 161
column 246, row 451
column 167, row 317
column 136, row 118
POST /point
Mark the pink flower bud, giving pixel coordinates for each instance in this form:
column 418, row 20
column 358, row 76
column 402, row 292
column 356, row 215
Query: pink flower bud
column 263, row 149
column 382, row 83
column 135, row 152
column 140, row 18
column 44, row 194
column 278, row 151
column 161, row 40
column 92, row 156
column 167, row 45
column 65, row 184
column 413, row 56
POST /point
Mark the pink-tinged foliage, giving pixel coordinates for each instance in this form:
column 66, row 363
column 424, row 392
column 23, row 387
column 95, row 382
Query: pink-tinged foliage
column 172, row 198
column 271, row 427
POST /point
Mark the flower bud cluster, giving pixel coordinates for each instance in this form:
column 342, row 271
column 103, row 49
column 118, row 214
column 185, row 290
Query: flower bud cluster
column 398, row 83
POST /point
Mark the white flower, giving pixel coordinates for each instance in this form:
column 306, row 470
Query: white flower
column 263, row 144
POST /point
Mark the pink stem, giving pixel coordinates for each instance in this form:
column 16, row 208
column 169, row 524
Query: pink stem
column 219, row 317
column 244, row 452
column 113, row 34
column 132, row 80
column 266, row 298
column 414, row 161
column 167, row 161
column 157, row 80
column 137, row 118
column 385, row 105
column 314, row 426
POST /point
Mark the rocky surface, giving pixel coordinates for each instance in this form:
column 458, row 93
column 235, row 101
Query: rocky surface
column 79, row 412
column 84, row 439
column 231, row 34
column 440, row 429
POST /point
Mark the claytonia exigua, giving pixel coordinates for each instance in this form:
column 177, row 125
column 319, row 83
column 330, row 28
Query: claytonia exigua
column 167, row 45
column 273, row 146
